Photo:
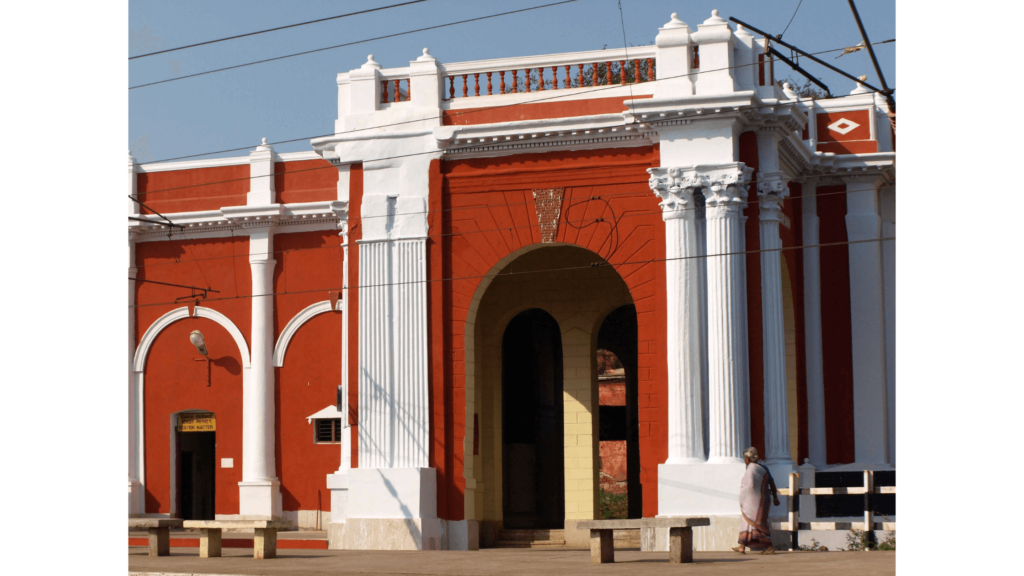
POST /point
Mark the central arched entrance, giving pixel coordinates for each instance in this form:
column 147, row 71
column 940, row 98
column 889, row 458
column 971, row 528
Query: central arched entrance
column 531, row 384
column 532, row 392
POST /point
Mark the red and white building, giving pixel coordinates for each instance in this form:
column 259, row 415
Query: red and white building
column 720, row 235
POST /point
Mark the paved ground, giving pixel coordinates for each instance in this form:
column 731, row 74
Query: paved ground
column 507, row 561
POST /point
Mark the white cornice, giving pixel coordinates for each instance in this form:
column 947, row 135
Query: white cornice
column 219, row 162
column 227, row 220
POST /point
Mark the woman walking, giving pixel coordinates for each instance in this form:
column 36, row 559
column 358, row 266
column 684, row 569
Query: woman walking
column 757, row 483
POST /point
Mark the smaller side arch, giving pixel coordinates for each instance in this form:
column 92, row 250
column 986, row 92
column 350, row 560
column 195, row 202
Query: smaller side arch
column 146, row 342
column 296, row 322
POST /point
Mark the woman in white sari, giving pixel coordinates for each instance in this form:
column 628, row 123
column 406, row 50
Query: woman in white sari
column 757, row 484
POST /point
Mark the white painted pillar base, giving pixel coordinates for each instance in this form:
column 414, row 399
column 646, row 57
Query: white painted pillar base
column 338, row 484
column 699, row 489
column 136, row 498
column 259, row 500
column 393, row 509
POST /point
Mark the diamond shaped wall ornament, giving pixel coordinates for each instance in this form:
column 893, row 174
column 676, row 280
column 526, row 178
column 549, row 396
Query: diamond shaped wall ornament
column 843, row 126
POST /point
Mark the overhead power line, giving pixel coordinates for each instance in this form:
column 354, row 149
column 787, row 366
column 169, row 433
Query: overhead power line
column 273, row 29
column 349, row 44
column 467, row 112
column 799, row 4
column 590, row 266
column 597, row 220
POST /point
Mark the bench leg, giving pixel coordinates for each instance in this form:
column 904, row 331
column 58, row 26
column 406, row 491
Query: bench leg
column 209, row 542
column 602, row 549
column 680, row 545
column 265, row 543
column 159, row 541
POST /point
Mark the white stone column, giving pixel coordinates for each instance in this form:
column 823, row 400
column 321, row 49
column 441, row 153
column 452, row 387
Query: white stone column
column 771, row 191
column 259, row 490
column 867, row 310
column 259, row 493
column 812, row 328
column 887, row 196
column 702, row 286
column 682, row 274
column 338, row 482
column 136, row 500
column 725, row 196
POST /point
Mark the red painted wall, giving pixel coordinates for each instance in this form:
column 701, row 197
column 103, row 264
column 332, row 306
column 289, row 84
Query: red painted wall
column 755, row 336
column 193, row 190
column 472, row 192
column 538, row 111
column 856, row 141
column 792, row 237
column 836, row 338
column 309, row 266
column 305, row 181
column 173, row 382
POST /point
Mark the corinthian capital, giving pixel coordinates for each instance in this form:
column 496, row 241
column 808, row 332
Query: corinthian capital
column 772, row 189
column 727, row 184
column 675, row 187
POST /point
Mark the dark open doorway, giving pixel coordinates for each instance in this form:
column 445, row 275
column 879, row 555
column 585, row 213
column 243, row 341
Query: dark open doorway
column 197, row 474
column 618, row 334
column 533, row 494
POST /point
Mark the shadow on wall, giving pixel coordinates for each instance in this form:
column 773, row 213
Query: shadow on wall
column 228, row 363
column 417, row 536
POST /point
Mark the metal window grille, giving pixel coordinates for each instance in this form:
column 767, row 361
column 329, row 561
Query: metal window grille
column 328, row 430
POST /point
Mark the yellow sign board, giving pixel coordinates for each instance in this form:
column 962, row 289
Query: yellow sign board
column 197, row 423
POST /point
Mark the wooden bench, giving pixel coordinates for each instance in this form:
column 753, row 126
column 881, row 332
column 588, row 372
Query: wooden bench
column 680, row 536
column 159, row 532
column 264, row 544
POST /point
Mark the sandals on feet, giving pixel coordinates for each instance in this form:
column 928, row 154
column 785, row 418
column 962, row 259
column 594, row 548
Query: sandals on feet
column 740, row 549
column 768, row 550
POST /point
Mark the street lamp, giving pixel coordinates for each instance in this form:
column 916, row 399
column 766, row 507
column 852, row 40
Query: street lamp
column 196, row 337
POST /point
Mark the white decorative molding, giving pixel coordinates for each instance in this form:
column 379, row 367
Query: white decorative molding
column 227, row 220
column 295, row 323
column 327, row 412
column 843, row 126
column 211, row 314
column 142, row 351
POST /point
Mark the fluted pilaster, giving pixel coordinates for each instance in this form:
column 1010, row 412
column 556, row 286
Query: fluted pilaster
column 772, row 189
column 676, row 188
column 725, row 195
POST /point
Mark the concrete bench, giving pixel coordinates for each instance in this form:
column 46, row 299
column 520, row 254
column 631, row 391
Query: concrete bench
column 159, row 532
column 680, row 536
column 264, row 544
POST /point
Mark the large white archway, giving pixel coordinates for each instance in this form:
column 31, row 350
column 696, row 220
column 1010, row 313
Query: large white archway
column 137, row 436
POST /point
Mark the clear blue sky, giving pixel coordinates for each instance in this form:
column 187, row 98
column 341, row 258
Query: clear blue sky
column 297, row 97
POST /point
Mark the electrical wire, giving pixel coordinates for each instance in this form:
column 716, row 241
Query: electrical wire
column 526, row 272
column 274, row 29
column 791, row 19
column 148, row 192
column 461, row 113
column 501, row 229
column 347, row 44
